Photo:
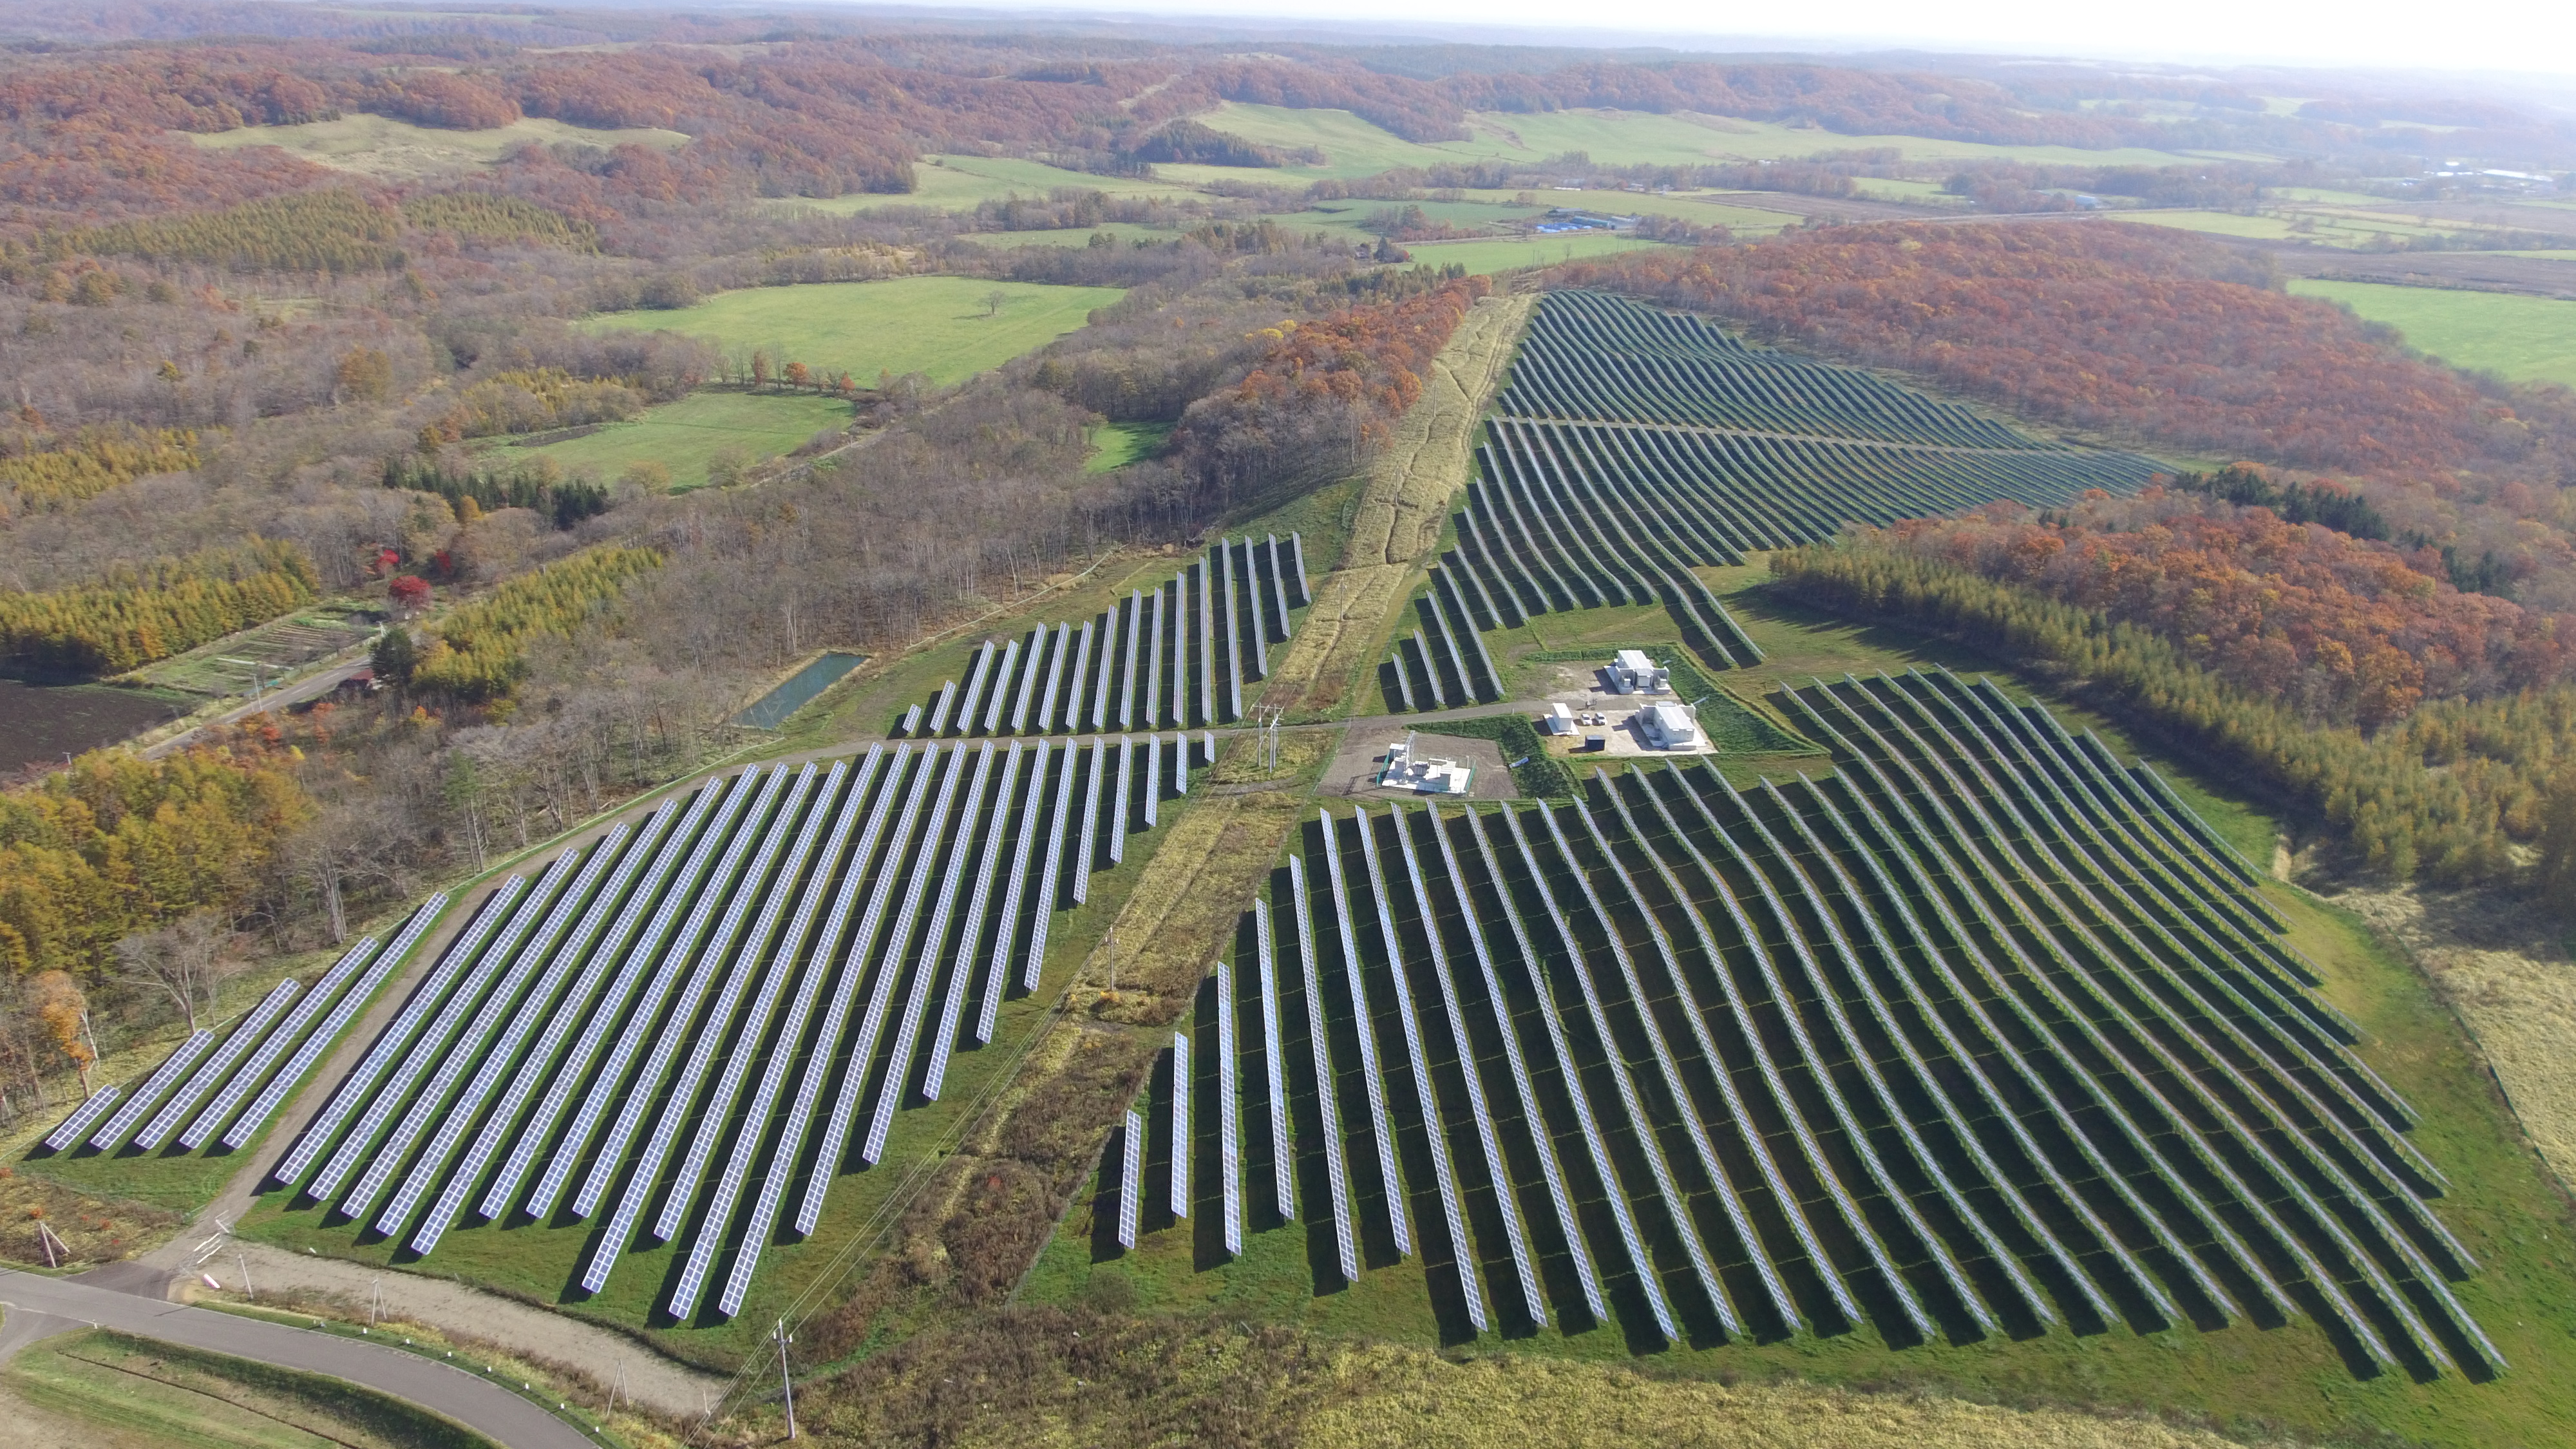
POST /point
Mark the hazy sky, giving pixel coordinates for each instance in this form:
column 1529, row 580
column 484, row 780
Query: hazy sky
column 2492, row 35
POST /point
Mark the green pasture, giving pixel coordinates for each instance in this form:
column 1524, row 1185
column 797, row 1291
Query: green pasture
column 398, row 150
column 1505, row 256
column 1126, row 234
column 1115, row 445
column 684, row 435
column 2263, row 1384
column 2526, row 339
column 959, row 183
column 937, row 326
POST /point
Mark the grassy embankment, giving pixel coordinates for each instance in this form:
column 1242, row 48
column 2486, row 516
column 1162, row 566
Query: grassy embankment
column 2510, row 1214
column 106, row 1390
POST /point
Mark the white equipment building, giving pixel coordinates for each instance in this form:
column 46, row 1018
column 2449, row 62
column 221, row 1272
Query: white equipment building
column 1423, row 774
column 1631, row 672
column 1668, row 727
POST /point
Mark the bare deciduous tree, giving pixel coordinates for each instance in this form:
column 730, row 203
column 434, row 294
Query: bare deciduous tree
column 185, row 960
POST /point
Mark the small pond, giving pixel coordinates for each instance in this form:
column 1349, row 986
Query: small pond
column 773, row 708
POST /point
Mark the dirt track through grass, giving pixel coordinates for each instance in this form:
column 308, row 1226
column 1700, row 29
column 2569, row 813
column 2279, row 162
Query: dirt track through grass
column 1400, row 513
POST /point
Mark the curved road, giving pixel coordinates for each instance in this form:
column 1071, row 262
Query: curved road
column 469, row 1398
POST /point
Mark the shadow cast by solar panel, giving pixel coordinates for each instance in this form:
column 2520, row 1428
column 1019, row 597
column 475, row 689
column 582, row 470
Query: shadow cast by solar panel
column 1104, row 1197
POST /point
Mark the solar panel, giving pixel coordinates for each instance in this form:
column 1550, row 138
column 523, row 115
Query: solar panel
column 1229, row 1114
column 854, row 1080
column 780, row 1165
column 1297, row 570
column 1126, row 787
column 559, row 1008
column 256, row 1115
column 451, row 1045
column 1154, row 660
column 1003, row 679
column 1049, row 889
column 1131, row 1184
column 609, row 975
column 997, row 822
column 1127, row 674
column 237, row 1045
column 1088, row 848
column 1370, row 1078
column 173, row 1067
column 1337, row 1168
column 998, row 958
column 1153, row 777
column 68, row 1131
column 1099, row 717
column 683, row 971
column 681, row 1094
column 1069, row 704
column 1233, row 630
column 1274, row 1082
column 357, row 1087
column 426, row 1040
column 1278, row 593
column 1031, row 691
column 1207, row 646
column 911, row 725
column 290, row 1031
column 973, row 700
column 650, row 945
column 1180, row 1125
column 1479, row 1109
column 1444, row 1175
column 783, row 956
column 926, row 956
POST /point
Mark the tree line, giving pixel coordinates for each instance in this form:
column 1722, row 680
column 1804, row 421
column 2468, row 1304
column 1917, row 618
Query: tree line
column 135, row 615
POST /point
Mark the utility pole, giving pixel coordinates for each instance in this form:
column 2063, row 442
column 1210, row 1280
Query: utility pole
column 244, row 1260
column 786, row 1385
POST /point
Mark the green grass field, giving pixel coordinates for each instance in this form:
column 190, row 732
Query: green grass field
column 1504, row 256
column 2275, row 1384
column 1115, row 445
column 957, row 183
column 1127, row 233
column 397, row 150
column 683, row 435
column 932, row 325
column 2527, row 339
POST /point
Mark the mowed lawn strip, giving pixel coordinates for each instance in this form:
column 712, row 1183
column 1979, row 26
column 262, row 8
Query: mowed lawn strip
column 942, row 327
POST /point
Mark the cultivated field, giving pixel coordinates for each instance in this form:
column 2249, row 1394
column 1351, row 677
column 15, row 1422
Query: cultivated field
column 2524, row 339
column 684, row 436
column 937, row 326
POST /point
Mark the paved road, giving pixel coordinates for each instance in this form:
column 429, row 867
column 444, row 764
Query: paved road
column 468, row 1398
column 312, row 687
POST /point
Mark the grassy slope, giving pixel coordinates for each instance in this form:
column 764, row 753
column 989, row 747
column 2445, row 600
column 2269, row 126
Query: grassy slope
column 960, row 182
column 2504, row 1207
column 1115, row 445
column 126, row 1390
column 683, row 435
column 932, row 325
column 2527, row 339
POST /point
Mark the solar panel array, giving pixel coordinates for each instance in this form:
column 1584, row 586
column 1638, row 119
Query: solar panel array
column 662, row 1021
column 1983, row 1033
column 207, row 1077
column 1634, row 446
column 1178, row 655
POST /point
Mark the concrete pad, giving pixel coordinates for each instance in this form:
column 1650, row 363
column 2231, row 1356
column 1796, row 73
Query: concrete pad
column 1354, row 771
